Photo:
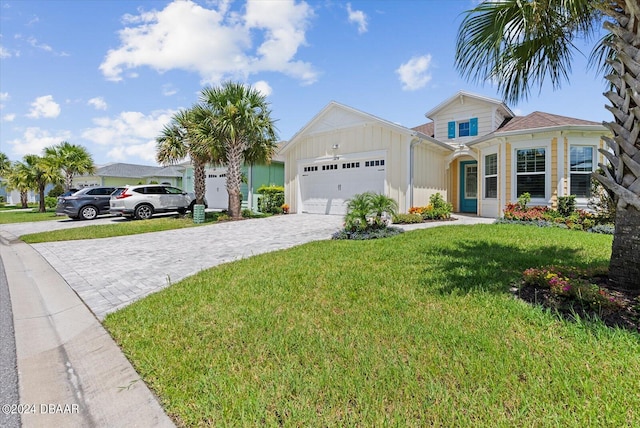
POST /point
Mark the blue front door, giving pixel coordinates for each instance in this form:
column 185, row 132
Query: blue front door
column 469, row 187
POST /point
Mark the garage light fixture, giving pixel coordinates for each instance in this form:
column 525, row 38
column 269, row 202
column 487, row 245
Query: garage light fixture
column 336, row 146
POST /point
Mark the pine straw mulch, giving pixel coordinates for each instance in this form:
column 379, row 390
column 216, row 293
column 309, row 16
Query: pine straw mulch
column 624, row 314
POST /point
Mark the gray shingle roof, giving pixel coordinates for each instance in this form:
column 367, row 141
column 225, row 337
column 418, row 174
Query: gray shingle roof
column 127, row 170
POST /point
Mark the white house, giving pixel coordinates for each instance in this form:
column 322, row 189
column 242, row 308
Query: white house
column 474, row 151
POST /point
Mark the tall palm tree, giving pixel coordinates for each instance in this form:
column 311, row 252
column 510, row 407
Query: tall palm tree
column 5, row 164
column 183, row 137
column 38, row 172
column 72, row 159
column 243, row 131
column 16, row 178
column 519, row 43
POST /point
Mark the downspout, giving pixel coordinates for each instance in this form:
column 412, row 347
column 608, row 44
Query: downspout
column 414, row 142
column 250, row 188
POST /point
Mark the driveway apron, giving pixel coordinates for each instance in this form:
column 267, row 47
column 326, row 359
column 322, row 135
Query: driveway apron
column 111, row 273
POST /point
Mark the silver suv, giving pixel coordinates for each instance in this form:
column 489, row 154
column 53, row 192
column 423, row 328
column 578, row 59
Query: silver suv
column 143, row 201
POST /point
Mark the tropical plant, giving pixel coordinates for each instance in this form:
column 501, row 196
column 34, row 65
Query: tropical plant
column 358, row 211
column 184, row 137
column 516, row 44
column 382, row 206
column 5, row 164
column 242, row 131
column 15, row 178
column 40, row 171
column 72, row 159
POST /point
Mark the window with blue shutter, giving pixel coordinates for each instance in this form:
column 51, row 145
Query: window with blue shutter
column 451, row 127
column 473, row 126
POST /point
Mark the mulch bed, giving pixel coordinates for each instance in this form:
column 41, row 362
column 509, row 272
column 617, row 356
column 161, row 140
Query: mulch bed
column 626, row 314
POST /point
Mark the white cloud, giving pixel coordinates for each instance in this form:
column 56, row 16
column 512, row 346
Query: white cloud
column 4, row 96
column 44, row 106
column 129, row 134
column 98, row 103
column 5, row 53
column 263, row 87
column 8, row 117
column 414, row 74
column 357, row 17
column 216, row 44
column 34, row 140
column 168, row 90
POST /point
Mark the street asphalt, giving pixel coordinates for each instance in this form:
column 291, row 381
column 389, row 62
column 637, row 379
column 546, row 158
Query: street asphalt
column 70, row 371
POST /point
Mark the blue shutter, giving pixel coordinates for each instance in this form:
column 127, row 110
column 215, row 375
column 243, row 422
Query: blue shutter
column 451, row 126
column 473, row 126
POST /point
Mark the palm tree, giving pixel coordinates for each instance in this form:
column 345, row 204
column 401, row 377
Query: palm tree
column 72, row 159
column 518, row 43
column 242, row 131
column 5, row 164
column 184, row 137
column 15, row 178
column 38, row 172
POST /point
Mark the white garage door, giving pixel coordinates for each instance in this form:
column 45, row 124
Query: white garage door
column 216, row 193
column 326, row 187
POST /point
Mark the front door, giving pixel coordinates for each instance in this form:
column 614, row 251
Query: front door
column 469, row 187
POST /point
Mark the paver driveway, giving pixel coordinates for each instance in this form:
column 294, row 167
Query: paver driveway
column 110, row 273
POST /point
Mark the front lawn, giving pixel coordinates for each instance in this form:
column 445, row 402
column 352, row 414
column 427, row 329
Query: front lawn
column 415, row 330
column 10, row 216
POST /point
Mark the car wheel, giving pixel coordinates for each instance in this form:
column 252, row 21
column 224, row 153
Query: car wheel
column 182, row 211
column 88, row 212
column 144, row 212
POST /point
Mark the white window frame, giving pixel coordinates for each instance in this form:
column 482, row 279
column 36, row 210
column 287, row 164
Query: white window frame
column 485, row 176
column 531, row 144
column 594, row 151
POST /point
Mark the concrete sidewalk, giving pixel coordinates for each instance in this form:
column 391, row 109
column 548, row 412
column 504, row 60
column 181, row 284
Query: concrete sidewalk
column 71, row 372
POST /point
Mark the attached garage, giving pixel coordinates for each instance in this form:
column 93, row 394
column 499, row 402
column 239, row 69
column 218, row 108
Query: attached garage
column 342, row 152
column 326, row 187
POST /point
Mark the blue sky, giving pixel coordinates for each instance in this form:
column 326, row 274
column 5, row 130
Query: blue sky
column 108, row 74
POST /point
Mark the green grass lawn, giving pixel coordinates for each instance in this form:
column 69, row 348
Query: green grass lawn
column 9, row 216
column 415, row 330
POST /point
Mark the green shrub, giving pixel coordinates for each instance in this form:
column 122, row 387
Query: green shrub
column 366, row 217
column 271, row 200
column 56, row 191
column 438, row 208
column 566, row 205
column 407, row 218
column 50, row 201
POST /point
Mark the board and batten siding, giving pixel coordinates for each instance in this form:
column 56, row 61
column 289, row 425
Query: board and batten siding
column 361, row 138
column 429, row 175
column 456, row 112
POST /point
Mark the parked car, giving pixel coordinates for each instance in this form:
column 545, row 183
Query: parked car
column 87, row 203
column 143, row 201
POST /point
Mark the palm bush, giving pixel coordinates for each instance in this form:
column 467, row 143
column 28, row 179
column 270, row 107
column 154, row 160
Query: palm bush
column 366, row 217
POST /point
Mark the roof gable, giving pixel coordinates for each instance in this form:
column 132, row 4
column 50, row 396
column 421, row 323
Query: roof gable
column 337, row 116
column 459, row 98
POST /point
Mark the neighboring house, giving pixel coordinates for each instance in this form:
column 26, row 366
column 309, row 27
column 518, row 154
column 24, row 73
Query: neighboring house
column 121, row 174
column 472, row 146
column 216, row 183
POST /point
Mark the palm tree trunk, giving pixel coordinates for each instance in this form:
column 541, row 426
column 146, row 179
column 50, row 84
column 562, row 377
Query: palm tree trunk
column 624, row 268
column 199, row 178
column 234, row 179
column 24, row 199
column 42, row 207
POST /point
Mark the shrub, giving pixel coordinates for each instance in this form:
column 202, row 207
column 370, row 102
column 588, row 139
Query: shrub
column 271, row 200
column 50, row 201
column 366, row 217
column 407, row 218
column 373, row 233
column 523, row 200
column 438, row 208
column 570, row 283
column 566, row 205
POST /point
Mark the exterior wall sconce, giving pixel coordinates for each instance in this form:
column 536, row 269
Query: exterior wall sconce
column 336, row 146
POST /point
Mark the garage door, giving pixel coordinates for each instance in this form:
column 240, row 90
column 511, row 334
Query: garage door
column 326, row 187
column 216, row 193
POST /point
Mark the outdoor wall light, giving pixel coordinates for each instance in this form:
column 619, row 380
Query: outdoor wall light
column 336, row 146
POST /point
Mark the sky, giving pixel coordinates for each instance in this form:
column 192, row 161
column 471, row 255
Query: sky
column 109, row 74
